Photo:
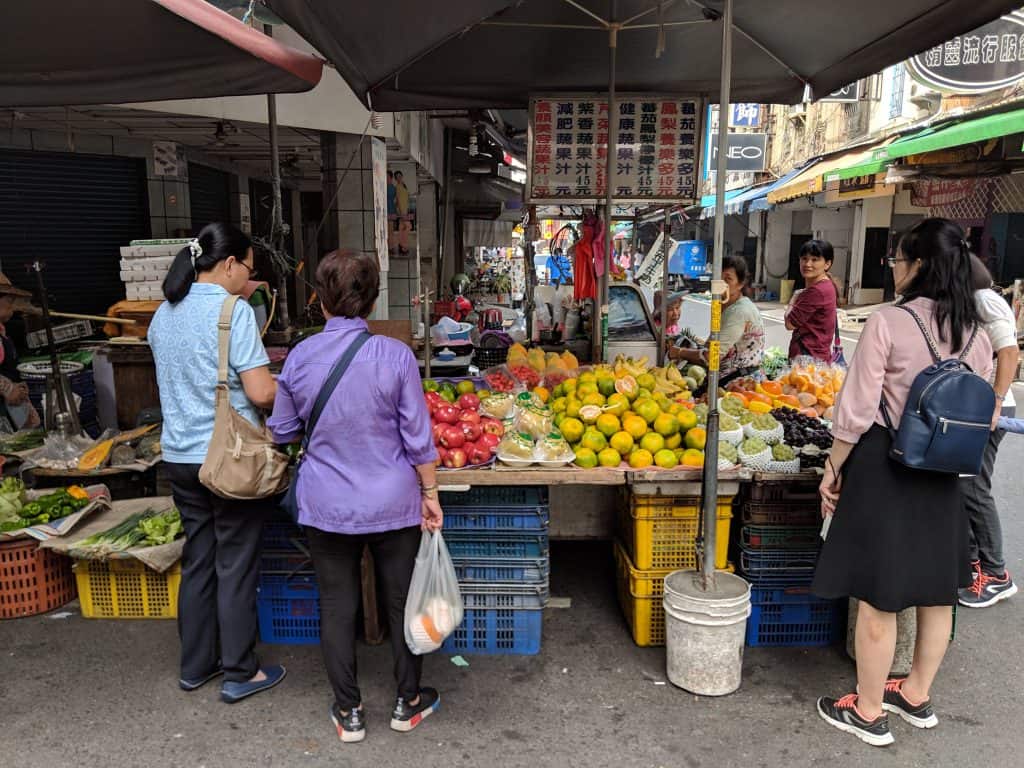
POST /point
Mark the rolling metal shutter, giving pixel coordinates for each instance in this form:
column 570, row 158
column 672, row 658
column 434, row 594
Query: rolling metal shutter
column 72, row 212
column 209, row 194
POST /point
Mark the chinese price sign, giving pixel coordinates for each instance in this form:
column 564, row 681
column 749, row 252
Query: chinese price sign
column 655, row 158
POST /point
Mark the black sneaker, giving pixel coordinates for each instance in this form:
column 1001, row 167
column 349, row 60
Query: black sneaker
column 918, row 715
column 351, row 727
column 406, row 717
column 842, row 714
column 987, row 590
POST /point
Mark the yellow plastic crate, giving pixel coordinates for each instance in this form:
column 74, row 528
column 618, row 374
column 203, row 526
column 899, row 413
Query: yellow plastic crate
column 660, row 532
column 640, row 596
column 126, row 589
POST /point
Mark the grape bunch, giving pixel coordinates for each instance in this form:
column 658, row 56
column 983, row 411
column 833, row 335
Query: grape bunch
column 802, row 430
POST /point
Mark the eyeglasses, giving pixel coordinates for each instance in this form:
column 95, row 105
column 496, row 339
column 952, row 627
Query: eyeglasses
column 892, row 261
column 251, row 270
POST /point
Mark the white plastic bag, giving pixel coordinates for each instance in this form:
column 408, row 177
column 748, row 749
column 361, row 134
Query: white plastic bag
column 433, row 608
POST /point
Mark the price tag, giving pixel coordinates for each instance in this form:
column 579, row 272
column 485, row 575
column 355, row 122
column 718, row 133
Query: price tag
column 713, row 355
column 716, row 316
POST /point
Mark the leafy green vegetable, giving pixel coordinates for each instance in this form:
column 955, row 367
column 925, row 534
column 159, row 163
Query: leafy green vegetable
column 163, row 528
column 12, row 497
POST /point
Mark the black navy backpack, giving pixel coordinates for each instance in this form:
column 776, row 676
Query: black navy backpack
column 947, row 419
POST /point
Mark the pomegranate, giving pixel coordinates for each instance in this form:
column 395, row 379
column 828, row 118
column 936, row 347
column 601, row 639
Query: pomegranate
column 471, row 431
column 456, row 458
column 452, row 437
column 447, row 413
column 471, row 416
column 468, row 402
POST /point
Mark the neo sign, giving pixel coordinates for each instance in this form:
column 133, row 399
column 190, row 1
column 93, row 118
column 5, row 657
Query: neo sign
column 746, row 152
column 986, row 59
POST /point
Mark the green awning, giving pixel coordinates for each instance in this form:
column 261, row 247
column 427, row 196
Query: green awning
column 944, row 136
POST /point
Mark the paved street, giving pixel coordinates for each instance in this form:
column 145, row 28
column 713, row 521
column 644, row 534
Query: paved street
column 75, row 692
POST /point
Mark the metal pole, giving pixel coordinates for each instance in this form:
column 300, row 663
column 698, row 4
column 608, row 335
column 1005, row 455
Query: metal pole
column 717, row 289
column 277, row 224
column 662, row 355
column 601, row 325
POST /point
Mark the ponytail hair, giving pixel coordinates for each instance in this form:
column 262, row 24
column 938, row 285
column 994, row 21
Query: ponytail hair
column 214, row 244
column 944, row 275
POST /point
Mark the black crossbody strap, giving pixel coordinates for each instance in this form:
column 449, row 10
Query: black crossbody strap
column 924, row 331
column 332, row 383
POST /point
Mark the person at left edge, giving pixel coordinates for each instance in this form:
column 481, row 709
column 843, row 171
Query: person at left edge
column 368, row 479
column 15, row 408
column 217, row 598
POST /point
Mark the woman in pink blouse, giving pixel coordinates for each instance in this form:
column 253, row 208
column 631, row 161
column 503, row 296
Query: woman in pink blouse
column 898, row 536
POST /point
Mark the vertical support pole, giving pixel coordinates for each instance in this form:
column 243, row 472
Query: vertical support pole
column 601, row 310
column 663, row 335
column 277, row 222
column 717, row 289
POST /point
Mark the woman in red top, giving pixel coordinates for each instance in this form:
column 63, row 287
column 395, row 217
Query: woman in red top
column 811, row 315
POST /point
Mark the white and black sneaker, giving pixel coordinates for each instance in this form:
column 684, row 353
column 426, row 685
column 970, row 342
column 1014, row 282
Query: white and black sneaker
column 843, row 714
column 407, row 716
column 918, row 715
column 351, row 727
column 987, row 590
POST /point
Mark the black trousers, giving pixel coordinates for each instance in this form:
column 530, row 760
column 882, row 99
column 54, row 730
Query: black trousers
column 337, row 559
column 986, row 532
column 219, row 573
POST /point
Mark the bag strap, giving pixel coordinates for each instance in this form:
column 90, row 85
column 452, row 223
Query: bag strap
column 931, row 342
column 331, row 384
column 227, row 311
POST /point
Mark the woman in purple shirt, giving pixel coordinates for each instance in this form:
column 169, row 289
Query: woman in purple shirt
column 368, row 478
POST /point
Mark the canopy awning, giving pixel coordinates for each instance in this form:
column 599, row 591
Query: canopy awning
column 494, row 53
column 122, row 51
column 947, row 134
column 707, row 202
column 812, row 179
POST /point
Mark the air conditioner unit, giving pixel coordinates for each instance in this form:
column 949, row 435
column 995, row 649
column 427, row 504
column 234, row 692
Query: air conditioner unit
column 924, row 98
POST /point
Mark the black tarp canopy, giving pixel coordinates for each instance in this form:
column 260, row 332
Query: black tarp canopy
column 120, row 51
column 408, row 55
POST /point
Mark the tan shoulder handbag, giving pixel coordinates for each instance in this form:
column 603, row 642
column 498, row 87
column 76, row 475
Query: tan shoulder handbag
column 242, row 461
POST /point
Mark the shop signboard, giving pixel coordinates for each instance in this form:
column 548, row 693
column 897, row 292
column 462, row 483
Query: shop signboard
column 649, row 274
column 379, row 176
column 847, row 94
column 746, row 152
column 656, row 158
column 690, row 259
column 986, row 59
column 744, row 115
column 935, row 193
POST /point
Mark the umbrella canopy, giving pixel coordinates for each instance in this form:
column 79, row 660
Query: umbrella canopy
column 493, row 53
column 119, row 51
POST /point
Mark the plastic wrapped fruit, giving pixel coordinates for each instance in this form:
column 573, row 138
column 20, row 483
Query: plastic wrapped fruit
column 498, row 406
column 553, row 447
column 516, row 446
column 534, row 421
column 784, row 459
column 754, row 453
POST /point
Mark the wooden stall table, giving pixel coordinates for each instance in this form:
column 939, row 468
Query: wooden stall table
column 123, row 482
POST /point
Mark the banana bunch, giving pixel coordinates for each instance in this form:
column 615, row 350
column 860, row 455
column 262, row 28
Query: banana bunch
column 668, row 380
column 627, row 366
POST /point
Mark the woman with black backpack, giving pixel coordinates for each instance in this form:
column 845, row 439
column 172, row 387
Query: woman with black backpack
column 897, row 536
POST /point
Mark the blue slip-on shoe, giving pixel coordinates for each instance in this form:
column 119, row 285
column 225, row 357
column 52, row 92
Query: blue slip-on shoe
column 194, row 684
column 232, row 691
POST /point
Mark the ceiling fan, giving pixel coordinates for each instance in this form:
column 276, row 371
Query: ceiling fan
column 222, row 131
column 480, row 163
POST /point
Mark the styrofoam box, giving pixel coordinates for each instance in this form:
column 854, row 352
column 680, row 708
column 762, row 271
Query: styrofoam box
column 161, row 263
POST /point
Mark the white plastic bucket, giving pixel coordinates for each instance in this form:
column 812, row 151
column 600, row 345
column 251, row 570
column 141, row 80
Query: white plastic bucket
column 705, row 632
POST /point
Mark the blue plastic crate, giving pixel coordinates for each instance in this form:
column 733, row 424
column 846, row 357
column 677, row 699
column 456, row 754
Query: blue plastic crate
column 776, row 563
column 503, row 570
column 285, row 563
column 280, row 536
column 507, row 596
column 484, row 544
column 497, row 496
column 501, row 631
column 793, row 617
column 288, row 610
column 525, row 519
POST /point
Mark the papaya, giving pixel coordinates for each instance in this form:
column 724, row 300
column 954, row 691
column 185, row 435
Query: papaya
column 96, row 457
column 571, row 363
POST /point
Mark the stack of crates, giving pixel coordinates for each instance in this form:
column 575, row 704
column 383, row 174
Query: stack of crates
column 497, row 537
column 778, row 547
column 657, row 535
column 288, row 601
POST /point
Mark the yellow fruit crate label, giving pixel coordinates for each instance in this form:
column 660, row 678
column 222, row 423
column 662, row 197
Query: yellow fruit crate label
column 716, row 316
column 714, row 351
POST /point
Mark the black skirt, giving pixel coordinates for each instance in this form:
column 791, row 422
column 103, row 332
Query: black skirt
column 899, row 536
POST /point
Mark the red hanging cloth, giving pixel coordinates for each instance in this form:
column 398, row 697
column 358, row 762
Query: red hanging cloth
column 584, row 279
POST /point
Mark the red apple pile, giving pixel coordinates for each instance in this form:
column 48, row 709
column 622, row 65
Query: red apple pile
column 463, row 437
